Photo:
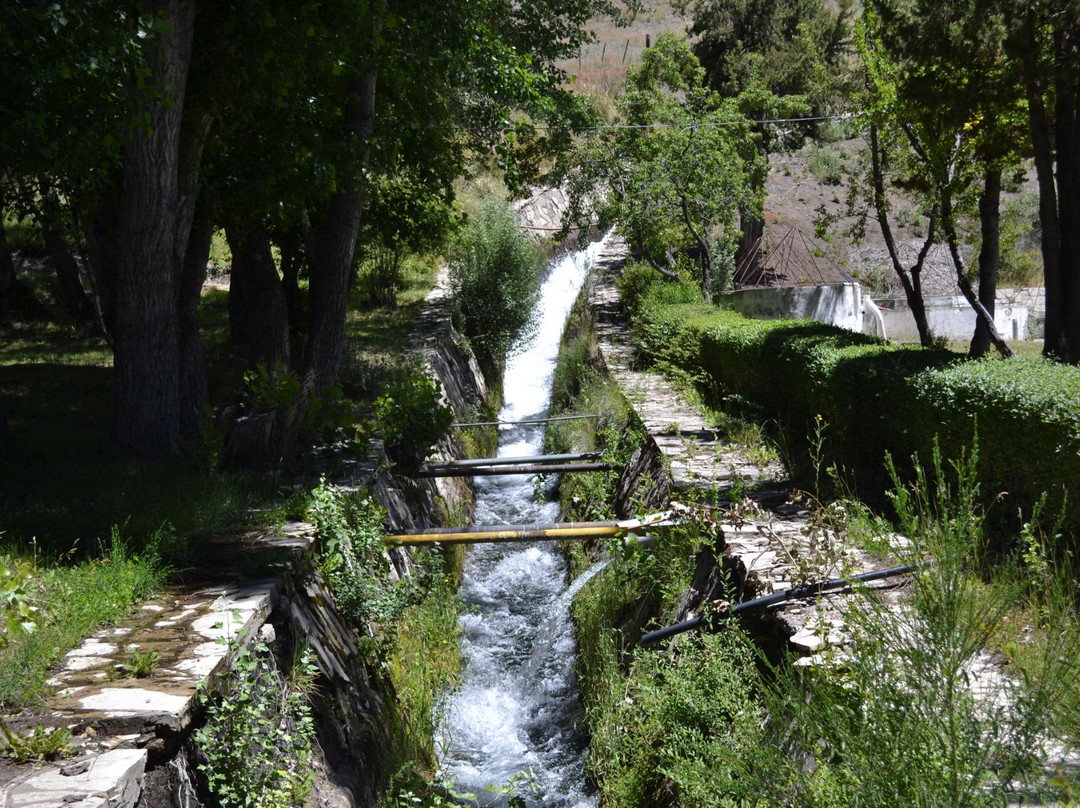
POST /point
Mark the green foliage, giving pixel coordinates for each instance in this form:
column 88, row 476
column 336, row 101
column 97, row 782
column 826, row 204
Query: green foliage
column 797, row 370
column 270, row 388
column 352, row 557
column 795, row 48
column 73, row 601
column 17, row 611
column 141, row 664
column 914, row 711
column 425, row 661
column 688, row 727
column 411, row 415
column 37, row 746
column 918, row 691
column 258, row 736
column 495, row 272
column 677, row 175
column 1021, row 238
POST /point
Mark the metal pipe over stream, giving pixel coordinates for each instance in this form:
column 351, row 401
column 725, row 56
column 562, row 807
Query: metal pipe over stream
column 555, row 531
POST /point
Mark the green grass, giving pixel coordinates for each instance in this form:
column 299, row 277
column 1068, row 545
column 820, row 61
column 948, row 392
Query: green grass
column 1026, row 350
column 72, row 602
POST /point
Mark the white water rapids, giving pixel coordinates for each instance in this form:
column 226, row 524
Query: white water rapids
column 517, row 712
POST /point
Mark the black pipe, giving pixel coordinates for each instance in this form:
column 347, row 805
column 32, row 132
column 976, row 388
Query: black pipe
column 512, row 461
column 491, row 471
column 535, row 421
column 777, row 597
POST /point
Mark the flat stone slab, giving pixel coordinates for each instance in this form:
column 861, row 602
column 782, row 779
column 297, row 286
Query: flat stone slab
column 110, row 780
column 193, row 634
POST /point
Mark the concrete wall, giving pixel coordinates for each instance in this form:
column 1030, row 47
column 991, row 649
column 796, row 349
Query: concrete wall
column 840, row 305
column 954, row 319
column 847, row 307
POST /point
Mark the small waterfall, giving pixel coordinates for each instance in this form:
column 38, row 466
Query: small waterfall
column 517, row 713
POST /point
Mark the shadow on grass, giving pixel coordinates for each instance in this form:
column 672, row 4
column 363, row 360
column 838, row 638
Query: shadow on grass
column 63, row 482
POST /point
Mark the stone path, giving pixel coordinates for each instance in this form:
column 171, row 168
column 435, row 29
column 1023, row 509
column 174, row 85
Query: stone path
column 121, row 723
column 766, row 550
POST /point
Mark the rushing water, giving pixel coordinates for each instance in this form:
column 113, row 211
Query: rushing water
column 517, row 712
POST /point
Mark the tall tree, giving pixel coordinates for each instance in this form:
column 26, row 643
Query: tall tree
column 674, row 170
column 782, row 59
column 1044, row 40
column 938, row 87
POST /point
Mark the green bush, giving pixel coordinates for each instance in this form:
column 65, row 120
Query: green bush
column 880, row 397
column 259, row 731
column 495, row 273
column 411, row 415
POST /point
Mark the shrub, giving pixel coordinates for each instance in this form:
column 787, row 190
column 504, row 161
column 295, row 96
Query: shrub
column 495, row 273
column 258, row 735
column 411, row 415
column 887, row 398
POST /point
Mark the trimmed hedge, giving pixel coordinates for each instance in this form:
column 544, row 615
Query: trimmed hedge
column 878, row 397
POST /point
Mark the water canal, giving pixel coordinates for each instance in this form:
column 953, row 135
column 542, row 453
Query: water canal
column 517, row 716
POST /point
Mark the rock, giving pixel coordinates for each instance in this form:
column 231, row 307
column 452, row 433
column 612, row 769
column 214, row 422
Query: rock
column 111, row 780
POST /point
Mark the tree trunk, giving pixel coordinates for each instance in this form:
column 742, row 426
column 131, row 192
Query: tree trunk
column 989, row 256
column 332, row 258
column 194, row 395
column 150, row 251
column 257, row 310
column 912, row 282
column 7, row 273
column 1067, row 133
column 748, row 256
column 290, row 247
column 5, row 430
column 76, row 302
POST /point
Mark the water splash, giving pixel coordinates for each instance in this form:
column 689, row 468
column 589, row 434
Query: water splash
column 518, row 710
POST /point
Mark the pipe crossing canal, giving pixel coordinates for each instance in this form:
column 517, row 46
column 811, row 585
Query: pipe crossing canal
column 517, row 717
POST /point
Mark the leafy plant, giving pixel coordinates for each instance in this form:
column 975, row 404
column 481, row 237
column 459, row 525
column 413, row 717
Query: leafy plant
column 411, row 416
column 352, row 555
column 17, row 612
column 38, row 745
column 258, row 736
column 495, row 274
column 141, row 664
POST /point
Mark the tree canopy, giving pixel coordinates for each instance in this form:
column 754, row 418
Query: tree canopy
column 673, row 171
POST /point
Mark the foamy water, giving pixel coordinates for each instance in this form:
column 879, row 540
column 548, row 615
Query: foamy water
column 517, row 712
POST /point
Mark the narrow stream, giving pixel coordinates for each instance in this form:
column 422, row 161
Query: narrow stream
column 517, row 713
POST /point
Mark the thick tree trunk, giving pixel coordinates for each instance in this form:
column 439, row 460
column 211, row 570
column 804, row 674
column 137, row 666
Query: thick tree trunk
column 989, row 256
column 194, row 395
column 257, row 310
column 150, row 252
column 332, row 258
column 1066, row 137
